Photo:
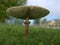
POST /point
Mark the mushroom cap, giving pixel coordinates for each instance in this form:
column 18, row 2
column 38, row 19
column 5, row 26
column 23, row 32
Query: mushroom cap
column 22, row 12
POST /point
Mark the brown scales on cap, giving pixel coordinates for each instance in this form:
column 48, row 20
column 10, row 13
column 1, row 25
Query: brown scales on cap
column 22, row 12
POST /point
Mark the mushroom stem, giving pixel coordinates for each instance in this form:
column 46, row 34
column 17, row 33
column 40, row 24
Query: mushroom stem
column 26, row 26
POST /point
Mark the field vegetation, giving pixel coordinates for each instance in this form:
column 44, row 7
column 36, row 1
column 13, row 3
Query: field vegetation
column 14, row 35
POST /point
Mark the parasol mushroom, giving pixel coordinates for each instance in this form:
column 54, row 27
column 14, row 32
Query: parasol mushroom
column 27, row 12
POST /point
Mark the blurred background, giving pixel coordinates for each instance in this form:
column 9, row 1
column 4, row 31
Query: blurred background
column 51, row 20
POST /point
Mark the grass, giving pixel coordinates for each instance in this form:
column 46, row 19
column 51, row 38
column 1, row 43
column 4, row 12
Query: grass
column 14, row 35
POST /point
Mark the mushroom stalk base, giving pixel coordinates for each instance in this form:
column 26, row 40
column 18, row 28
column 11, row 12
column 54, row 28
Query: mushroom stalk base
column 26, row 26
